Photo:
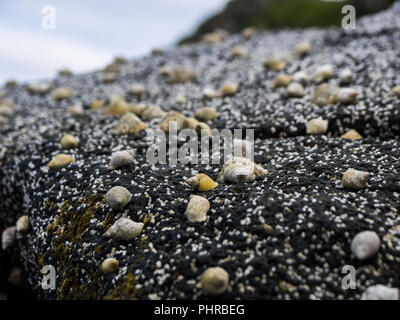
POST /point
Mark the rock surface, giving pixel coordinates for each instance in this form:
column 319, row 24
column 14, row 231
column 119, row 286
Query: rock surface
column 311, row 218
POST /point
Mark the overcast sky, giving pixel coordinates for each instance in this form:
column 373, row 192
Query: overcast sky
column 90, row 33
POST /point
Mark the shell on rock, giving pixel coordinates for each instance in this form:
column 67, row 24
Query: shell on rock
column 197, row 209
column 59, row 161
column 303, row 48
column 351, row 135
column 22, row 225
column 121, row 159
column 274, row 64
column 317, row 126
column 201, row 182
column 62, row 93
column 96, row 105
column 8, row 237
column 118, row 197
column 172, row 116
column 124, row 229
column 152, row 112
column 239, row 51
column 214, row 281
column 240, row 170
column 181, row 75
column 282, row 80
column 129, row 123
column 355, row 179
column 206, row 114
column 109, row 265
column 229, row 89
column 365, row 244
column 68, row 141
column 323, row 73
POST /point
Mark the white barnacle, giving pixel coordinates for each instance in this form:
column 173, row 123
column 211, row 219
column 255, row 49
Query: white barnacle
column 355, row 179
column 214, row 281
column 8, row 237
column 121, row 159
column 380, row 292
column 240, row 170
column 197, row 209
column 22, row 225
column 118, row 197
column 124, row 229
column 365, row 244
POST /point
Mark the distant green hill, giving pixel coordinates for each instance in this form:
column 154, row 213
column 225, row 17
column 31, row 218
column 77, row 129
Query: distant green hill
column 270, row 14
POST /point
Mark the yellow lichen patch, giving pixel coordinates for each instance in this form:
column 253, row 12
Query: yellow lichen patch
column 202, row 182
column 59, row 161
column 274, row 64
column 351, row 135
column 129, row 123
column 68, row 141
column 126, row 290
column 71, row 225
column 96, row 105
column 62, row 93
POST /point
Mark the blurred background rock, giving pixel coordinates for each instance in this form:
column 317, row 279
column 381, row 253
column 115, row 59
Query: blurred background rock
column 273, row 14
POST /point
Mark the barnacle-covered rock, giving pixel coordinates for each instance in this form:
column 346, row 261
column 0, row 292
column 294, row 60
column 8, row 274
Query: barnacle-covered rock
column 240, row 170
column 170, row 117
column 214, row 281
column 60, row 160
column 197, row 209
column 121, row 159
column 201, row 182
column 129, row 123
column 124, row 229
column 118, row 197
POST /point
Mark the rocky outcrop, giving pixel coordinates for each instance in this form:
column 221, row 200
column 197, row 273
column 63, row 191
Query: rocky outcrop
column 286, row 234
